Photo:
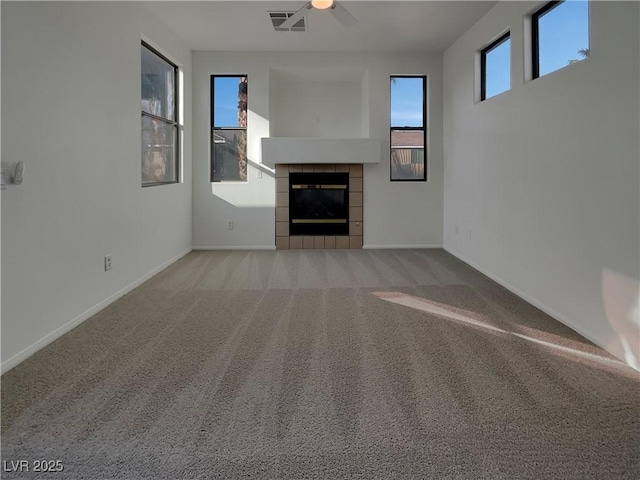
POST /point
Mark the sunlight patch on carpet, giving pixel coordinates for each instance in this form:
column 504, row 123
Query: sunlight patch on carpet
column 459, row 315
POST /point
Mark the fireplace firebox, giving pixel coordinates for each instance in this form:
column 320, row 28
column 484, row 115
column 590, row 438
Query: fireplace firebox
column 319, row 203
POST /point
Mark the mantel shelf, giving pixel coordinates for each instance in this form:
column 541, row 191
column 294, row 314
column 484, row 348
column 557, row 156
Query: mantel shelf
column 281, row 150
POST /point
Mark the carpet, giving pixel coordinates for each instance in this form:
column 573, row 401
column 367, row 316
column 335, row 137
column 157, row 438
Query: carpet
column 328, row 364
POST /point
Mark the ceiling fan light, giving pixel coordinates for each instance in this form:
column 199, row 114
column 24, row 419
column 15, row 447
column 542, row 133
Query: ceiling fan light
column 322, row 4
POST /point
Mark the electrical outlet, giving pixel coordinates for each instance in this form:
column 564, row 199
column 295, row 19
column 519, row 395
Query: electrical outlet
column 107, row 263
column 258, row 173
column 456, row 230
column 230, row 225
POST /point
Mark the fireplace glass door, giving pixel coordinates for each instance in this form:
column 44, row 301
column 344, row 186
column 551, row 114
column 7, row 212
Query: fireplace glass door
column 319, row 203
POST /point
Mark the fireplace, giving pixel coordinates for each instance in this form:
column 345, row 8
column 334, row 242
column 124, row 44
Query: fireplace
column 319, row 203
column 318, row 206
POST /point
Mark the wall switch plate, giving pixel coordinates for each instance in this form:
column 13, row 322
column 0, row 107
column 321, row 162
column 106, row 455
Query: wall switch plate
column 230, row 225
column 107, row 263
column 258, row 173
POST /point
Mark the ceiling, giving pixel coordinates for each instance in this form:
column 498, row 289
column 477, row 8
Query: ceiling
column 395, row 26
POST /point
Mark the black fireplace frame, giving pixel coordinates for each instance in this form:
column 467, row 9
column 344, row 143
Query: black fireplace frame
column 332, row 221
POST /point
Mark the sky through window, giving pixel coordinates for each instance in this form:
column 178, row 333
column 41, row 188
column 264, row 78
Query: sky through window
column 563, row 35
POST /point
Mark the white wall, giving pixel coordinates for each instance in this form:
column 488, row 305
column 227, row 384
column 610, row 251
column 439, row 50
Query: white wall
column 316, row 109
column 71, row 112
column 0, row 194
column 395, row 214
column 542, row 181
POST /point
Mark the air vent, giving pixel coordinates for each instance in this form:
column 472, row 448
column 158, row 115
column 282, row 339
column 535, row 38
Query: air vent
column 278, row 18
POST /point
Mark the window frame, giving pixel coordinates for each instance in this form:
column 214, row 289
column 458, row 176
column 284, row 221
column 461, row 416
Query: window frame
column 213, row 127
column 175, row 123
column 405, row 128
column 535, row 34
column 483, row 64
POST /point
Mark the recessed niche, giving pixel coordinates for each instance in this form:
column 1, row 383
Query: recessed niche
column 318, row 103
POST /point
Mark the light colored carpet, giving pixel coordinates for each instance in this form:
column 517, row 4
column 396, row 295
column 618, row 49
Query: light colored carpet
column 323, row 364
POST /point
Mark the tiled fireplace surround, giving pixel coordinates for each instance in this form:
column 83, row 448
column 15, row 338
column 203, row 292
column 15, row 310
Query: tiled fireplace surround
column 284, row 241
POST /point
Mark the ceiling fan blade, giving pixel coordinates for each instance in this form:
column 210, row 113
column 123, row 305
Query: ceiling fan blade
column 295, row 18
column 342, row 15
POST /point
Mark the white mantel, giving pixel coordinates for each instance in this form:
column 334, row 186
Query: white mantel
column 320, row 150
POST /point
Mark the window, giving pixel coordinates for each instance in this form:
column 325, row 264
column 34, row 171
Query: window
column 229, row 128
column 560, row 35
column 495, row 61
column 160, row 128
column 408, row 128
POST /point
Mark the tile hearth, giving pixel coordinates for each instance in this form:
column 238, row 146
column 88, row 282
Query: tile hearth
column 284, row 241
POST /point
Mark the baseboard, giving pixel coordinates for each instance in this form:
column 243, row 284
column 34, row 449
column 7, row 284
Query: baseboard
column 236, row 247
column 57, row 333
column 397, row 247
column 273, row 247
column 528, row 298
